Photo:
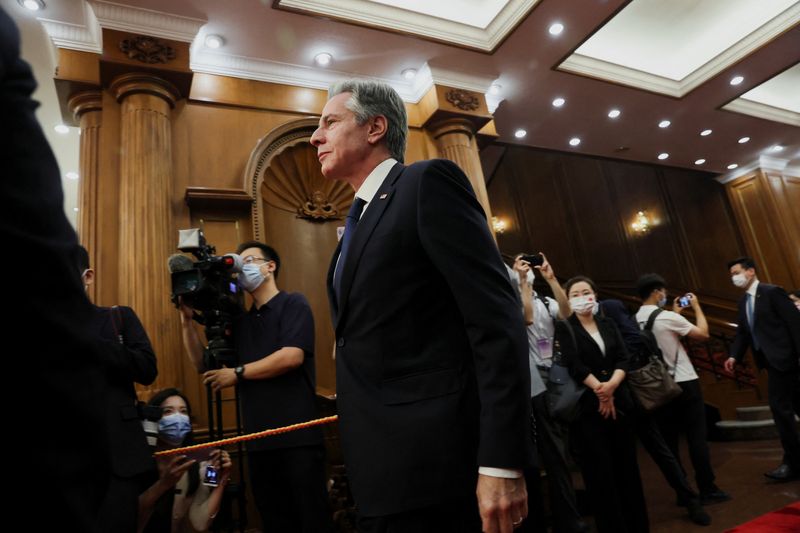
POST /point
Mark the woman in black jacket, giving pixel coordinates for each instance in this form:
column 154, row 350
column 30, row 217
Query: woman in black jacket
column 595, row 353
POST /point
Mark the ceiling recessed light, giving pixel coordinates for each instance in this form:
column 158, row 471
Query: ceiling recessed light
column 705, row 133
column 214, row 41
column 519, row 134
column 732, row 166
column 699, row 161
column 744, row 140
column 776, row 148
column 62, row 129
column 72, row 175
column 323, row 59
column 558, row 102
column 736, row 80
column 495, row 89
column 664, row 124
column 409, row 73
column 614, row 113
column 32, row 5
column 574, row 141
column 663, row 155
column 556, row 28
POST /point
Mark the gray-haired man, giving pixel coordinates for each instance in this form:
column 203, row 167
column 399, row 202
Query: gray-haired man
column 432, row 371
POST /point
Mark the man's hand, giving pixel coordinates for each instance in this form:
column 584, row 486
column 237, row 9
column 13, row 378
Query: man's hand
column 220, row 379
column 187, row 313
column 521, row 268
column 730, row 364
column 503, row 503
column 694, row 300
column 546, row 269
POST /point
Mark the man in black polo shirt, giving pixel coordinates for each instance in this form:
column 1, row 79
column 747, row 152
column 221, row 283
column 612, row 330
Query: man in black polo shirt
column 275, row 347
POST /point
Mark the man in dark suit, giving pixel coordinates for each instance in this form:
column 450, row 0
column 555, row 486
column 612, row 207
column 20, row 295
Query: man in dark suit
column 127, row 357
column 60, row 477
column 432, row 371
column 770, row 325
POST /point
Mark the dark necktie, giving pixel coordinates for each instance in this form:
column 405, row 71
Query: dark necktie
column 350, row 224
column 751, row 319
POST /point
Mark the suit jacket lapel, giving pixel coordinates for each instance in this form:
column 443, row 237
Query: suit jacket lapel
column 363, row 232
column 331, row 292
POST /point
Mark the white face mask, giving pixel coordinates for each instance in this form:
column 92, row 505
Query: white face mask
column 740, row 280
column 583, row 305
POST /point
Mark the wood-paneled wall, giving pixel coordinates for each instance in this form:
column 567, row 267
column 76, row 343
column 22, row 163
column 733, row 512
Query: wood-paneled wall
column 578, row 210
column 767, row 208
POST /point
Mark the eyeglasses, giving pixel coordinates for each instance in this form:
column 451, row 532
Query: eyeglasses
column 251, row 258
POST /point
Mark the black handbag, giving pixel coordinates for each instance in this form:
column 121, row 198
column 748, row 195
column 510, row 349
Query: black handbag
column 563, row 393
column 652, row 384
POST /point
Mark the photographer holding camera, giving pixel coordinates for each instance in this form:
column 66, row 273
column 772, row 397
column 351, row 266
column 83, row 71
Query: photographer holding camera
column 127, row 357
column 274, row 345
column 686, row 413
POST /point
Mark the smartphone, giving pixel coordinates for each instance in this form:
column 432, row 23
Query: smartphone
column 534, row 259
column 685, row 300
column 211, row 477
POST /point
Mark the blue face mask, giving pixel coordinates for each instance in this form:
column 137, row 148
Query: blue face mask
column 662, row 302
column 173, row 428
column 250, row 278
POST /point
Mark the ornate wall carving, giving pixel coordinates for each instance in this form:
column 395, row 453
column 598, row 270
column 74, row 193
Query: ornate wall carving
column 147, row 50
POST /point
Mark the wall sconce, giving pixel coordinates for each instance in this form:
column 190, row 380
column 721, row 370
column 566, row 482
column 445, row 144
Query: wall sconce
column 499, row 225
column 641, row 223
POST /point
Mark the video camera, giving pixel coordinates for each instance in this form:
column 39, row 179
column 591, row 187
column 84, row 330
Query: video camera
column 208, row 286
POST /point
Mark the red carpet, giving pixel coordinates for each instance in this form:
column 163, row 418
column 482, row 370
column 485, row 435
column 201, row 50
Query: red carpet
column 786, row 520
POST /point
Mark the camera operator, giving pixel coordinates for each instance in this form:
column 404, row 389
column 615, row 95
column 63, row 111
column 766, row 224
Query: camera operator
column 274, row 344
column 127, row 357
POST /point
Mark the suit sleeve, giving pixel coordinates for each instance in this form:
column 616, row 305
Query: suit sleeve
column 134, row 360
column 788, row 313
column 454, row 233
column 741, row 341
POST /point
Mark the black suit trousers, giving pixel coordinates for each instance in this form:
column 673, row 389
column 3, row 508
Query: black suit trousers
column 784, row 402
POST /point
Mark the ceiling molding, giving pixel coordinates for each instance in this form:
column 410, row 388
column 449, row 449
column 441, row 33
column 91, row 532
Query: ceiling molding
column 146, row 21
column 764, row 111
column 738, row 172
column 604, row 70
column 764, row 162
column 597, row 68
column 386, row 17
column 85, row 37
column 288, row 74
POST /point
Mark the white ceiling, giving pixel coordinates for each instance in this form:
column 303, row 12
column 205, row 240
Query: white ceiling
column 672, row 47
column 674, row 38
column 276, row 45
column 782, row 91
column 476, row 13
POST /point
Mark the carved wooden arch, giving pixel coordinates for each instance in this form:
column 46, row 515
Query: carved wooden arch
column 283, row 172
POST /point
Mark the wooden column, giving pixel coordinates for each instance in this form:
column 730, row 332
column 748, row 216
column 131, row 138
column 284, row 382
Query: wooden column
column 453, row 116
column 147, row 236
column 87, row 108
column 455, row 139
